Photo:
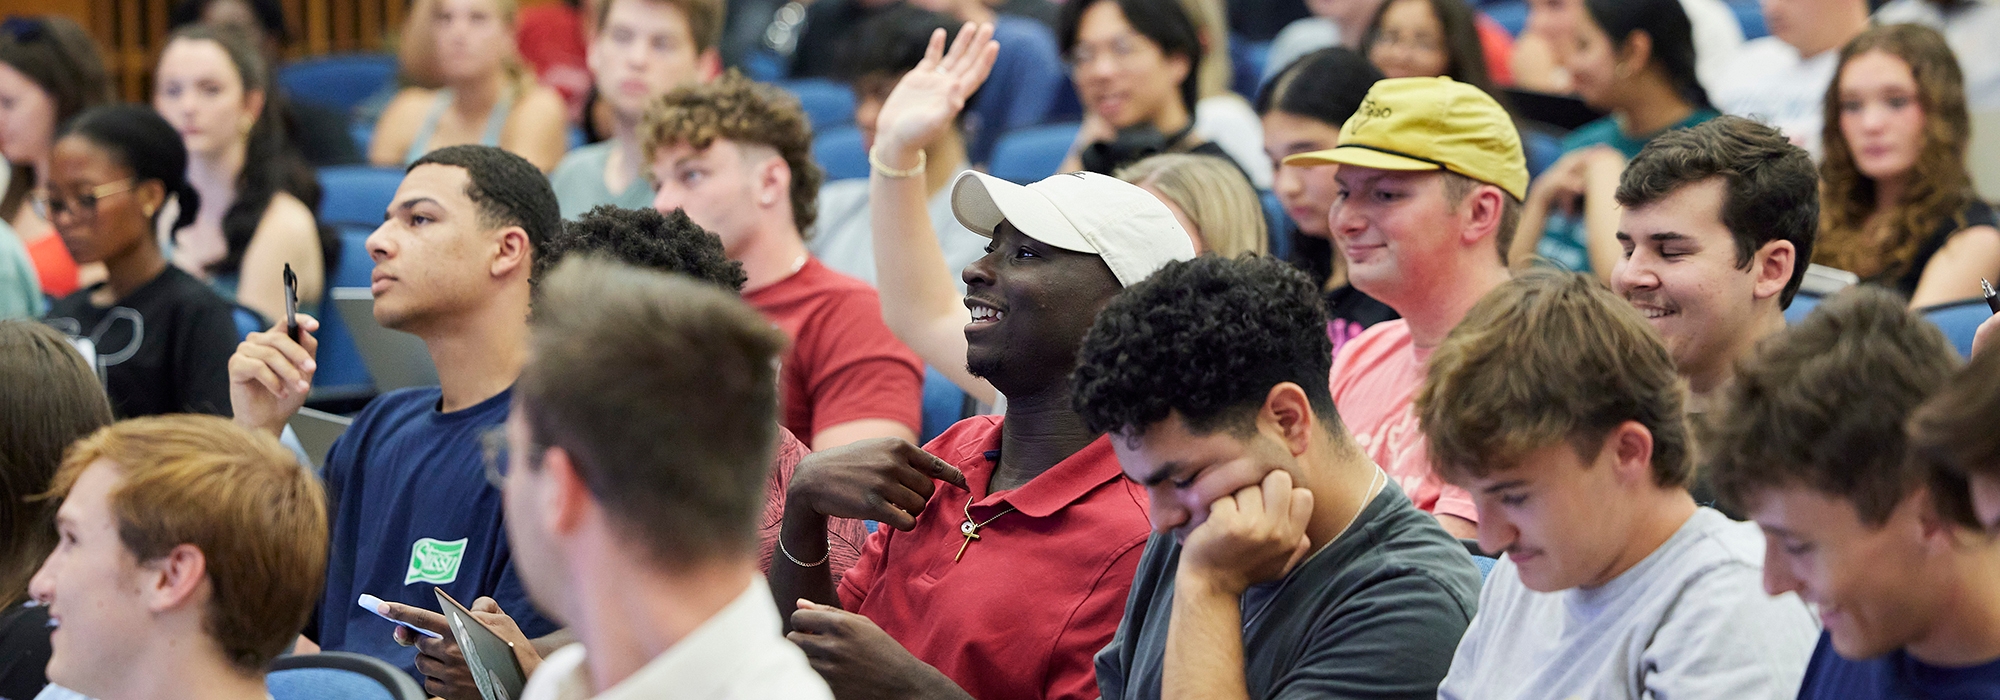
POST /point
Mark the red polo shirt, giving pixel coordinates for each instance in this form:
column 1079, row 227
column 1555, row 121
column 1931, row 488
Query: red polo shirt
column 1035, row 597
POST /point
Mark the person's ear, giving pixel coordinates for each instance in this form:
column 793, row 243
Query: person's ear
column 1289, row 414
column 1630, row 449
column 567, row 499
column 512, row 253
column 151, row 194
column 1773, row 264
column 253, row 106
column 1178, row 67
column 708, row 65
column 174, row 580
column 774, row 182
column 1481, row 212
column 1633, row 54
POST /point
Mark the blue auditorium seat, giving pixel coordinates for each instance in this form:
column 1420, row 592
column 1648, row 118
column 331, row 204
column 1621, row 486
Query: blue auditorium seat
column 944, row 404
column 356, row 195
column 1247, row 60
column 338, row 81
column 840, row 154
column 1512, row 14
column 1802, row 304
column 1027, row 155
column 827, row 103
column 1959, row 320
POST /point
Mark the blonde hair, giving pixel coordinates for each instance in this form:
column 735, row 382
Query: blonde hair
column 258, row 518
column 1215, row 195
column 1211, row 25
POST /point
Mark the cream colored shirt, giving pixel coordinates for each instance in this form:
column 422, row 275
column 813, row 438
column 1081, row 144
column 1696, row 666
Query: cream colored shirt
column 740, row 653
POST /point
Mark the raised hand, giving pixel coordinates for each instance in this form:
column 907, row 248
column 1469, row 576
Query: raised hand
column 269, row 376
column 930, row 96
column 885, row 479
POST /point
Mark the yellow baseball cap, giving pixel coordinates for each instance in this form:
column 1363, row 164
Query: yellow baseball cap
column 1416, row 124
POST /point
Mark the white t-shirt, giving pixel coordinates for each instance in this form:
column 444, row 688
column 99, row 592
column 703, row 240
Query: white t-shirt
column 1772, row 83
column 1691, row 620
column 1230, row 122
column 1717, row 36
column 843, row 237
column 1972, row 30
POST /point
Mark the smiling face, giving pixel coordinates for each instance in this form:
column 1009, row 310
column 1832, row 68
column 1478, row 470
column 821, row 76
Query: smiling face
column 118, row 224
column 1184, row 472
column 1410, row 42
column 1876, row 588
column 473, row 37
column 1031, row 305
column 1557, row 516
column 27, row 117
column 1680, row 270
column 1592, row 63
column 1395, row 229
column 199, row 91
column 645, row 49
column 722, row 187
column 1881, row 117
column 1122, row 76
column 93, row 586
column 433, row 257
column 1306, row 192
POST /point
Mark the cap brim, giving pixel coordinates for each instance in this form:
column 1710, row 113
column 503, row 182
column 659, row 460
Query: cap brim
column 981, row 201
column 1361, row 157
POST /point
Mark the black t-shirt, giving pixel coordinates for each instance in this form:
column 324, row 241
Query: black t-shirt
column 1377, row 613
column 165, row 347
column 1975, row 213
column 24, row 651
column 1345, row 303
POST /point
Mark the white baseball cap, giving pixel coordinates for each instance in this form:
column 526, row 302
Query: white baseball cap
column 1082, row 212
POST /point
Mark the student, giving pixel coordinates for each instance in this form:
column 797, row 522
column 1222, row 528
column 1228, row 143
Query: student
column 1543, row 52
column 117, row 175
column 56, row 401
column 1556, row 403
column 1633, row 59
column 885, row 48
column 50, row 72
column 1897, row 205
column 1221, row 115
column 737, row 157
column 1430, row 183
column 1028, row 78
column 1137, row 66
column 485, row 96
column 1210, row 198
column 920, row 300
column 642, row 49
column 637, row 455
column 1719, row 219
column 212, row 86
column 1781, row 79
column 1949, row 435
column 1344, row 23
column 1813, row 447
column 1047, row 490
column 190, row 553
column 453, row 266
column 318, row 133
column 1969, row 28
column 1283, row 562
column 1425, row 39
column 1303, row 107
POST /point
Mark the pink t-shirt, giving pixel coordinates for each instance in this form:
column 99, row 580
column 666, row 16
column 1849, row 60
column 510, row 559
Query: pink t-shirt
column 1375, row 380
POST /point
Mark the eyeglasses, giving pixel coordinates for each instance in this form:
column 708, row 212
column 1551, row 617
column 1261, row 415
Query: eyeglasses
column 493, row 445
column 82, row 205
column 1119, row 50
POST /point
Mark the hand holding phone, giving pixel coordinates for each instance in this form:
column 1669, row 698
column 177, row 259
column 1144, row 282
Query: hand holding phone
column 374, row 605
column 291, row 303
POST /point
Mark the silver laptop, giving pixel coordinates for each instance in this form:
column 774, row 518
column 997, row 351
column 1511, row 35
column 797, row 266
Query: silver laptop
column 316, row 431
column 394, row 358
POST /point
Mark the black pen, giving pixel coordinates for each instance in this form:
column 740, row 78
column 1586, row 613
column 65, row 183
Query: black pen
column 1992, row 299
column 292, row 303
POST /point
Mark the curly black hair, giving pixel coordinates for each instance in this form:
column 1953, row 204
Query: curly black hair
column 1207, row 338
column 649, row 239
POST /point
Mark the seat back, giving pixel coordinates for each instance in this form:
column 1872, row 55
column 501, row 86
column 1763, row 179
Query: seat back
column 356, row 195
column 840, row 153
column 339, row 81
column 1959, row 320
column 338, row 675
column 944, row 404
column 1028, row 155
column 341, row 370
column 827, row 103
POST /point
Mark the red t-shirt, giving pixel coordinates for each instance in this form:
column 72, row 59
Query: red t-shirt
column 844, row 364
column 843, row 537
column 53, row 265
column 550, row 40
column 1035, row 597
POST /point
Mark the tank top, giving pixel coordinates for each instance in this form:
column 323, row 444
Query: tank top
column 494, row 121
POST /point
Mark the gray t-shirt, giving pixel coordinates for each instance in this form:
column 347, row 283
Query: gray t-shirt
column 1691, row 620
column 579, row 182
column 843, row 238
column 1374, row 614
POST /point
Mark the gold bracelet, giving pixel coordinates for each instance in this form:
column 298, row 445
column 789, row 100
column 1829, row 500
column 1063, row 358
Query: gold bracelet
column 883, row 169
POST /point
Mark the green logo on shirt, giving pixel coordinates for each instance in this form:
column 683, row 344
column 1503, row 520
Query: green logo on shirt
column 434, row 561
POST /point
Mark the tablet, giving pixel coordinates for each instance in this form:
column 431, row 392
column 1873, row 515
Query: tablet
column 491, row 659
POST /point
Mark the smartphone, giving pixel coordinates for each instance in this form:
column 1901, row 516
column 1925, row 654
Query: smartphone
column 291, row 303
column 374, row 605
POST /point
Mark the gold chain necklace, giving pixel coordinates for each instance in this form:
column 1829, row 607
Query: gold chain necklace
column 970, row 529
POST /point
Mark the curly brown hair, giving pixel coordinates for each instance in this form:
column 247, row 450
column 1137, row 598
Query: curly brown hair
column 1938, row 184
column 746, row 112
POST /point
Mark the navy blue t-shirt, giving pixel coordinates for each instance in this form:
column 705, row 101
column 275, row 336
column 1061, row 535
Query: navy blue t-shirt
column 1894, row 676
column 406, row 488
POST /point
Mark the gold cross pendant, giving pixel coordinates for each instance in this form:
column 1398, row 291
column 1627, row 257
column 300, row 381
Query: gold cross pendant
column 971, row 532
